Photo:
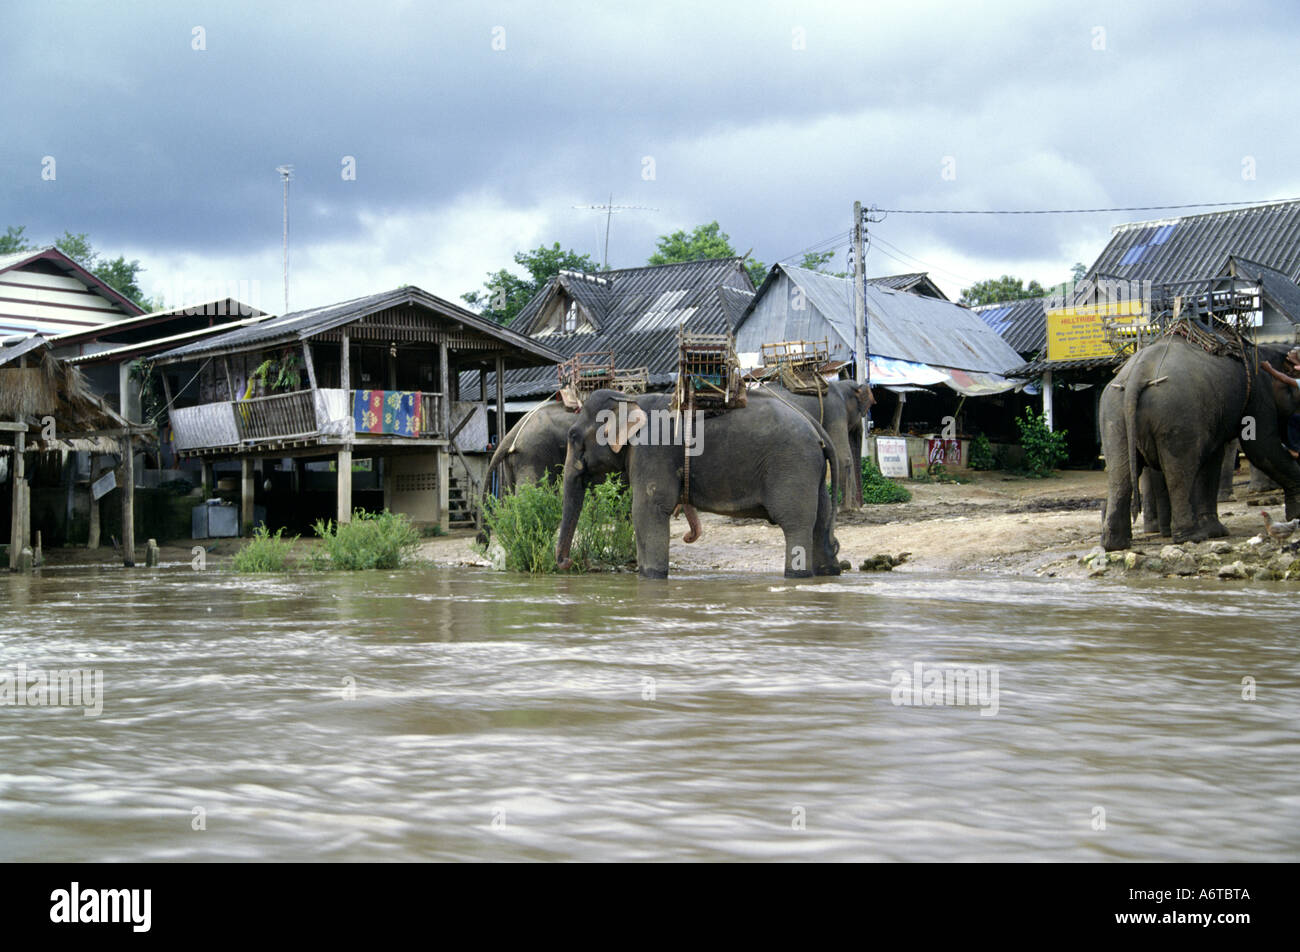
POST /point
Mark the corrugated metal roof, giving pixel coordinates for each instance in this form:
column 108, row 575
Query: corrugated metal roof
column 901, row 325
column 918, row 282
column 1035, row 368
column 1022, row 324
column 709, row 291
column 301, row 325
column 1196, row 246
column 1277, row 289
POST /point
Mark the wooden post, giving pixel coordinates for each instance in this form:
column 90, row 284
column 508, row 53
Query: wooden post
column 128, row 501
column 92, row 536
column 209, row 485
column 501, row 400
column 167, row 388
column 1048, row 413
column 311, row 367
column 444, row 381
column 444, row 485
column 230, row 381
column 245, row 493
column 345, row 362
column 16, row 499
column 345, row 485
column 390, row 360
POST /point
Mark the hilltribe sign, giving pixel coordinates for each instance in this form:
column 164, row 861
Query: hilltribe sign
column 1079, row 333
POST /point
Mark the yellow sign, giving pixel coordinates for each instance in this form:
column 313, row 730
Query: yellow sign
column 1079, row 333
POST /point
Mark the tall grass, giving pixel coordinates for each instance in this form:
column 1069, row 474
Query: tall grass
column 372, row 540
column 524, row 524
column 264, row 552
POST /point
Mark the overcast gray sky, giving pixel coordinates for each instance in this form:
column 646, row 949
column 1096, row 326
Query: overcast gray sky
column 476, row 127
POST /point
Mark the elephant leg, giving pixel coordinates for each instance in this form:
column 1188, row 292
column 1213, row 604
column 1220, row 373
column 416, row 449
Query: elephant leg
column 1226, row 471
column 1155, row 494
column 1150, row 515
column 1117, row 524
column 1182, row 482
column 1207, row 498
column 652, row 533
column 826, row 547
column 1163, row 515
column 800, row 554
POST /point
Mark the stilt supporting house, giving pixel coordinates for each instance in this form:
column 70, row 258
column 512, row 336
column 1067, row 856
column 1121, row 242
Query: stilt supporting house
column 414, row 440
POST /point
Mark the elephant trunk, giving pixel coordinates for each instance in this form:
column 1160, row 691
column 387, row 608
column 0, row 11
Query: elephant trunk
column 574, row 492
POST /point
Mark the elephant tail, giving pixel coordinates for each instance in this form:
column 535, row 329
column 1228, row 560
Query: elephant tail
column 1132, row 393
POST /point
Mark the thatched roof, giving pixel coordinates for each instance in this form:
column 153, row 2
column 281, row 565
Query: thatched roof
column 49, row 387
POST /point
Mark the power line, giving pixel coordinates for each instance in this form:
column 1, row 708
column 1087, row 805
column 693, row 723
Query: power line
column 1074, row 211
column 834, row 241
column 876, row 239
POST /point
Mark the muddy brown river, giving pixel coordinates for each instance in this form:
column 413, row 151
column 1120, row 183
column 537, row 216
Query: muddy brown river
column 443, row 714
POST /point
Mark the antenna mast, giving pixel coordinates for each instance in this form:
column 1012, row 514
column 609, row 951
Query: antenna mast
column 286, row 173
column 609, row 208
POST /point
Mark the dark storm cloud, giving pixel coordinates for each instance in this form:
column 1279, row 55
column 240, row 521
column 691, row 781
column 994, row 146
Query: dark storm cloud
column 161, row 146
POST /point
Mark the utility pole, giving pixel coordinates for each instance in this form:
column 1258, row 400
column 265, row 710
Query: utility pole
column 286, row 173
column 862, row 373
column 609, row 208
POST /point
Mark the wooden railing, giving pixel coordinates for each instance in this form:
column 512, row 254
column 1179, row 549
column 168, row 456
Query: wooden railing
column 279, row 415
column 431, row 414
column 300, row 413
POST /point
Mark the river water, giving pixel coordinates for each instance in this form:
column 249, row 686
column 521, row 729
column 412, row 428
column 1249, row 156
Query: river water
column 443, row 714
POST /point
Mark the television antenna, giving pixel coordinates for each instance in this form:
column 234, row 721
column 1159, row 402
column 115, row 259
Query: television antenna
column 286, row 173
column 609, row 208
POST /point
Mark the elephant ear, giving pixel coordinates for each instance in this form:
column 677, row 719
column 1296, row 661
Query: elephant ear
column 619, row 428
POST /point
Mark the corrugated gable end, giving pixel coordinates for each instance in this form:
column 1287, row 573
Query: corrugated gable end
column 1181, row 249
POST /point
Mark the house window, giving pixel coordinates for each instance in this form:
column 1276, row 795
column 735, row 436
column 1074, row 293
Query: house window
column 571, row 318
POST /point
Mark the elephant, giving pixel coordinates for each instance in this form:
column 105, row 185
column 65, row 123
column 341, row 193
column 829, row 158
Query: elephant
column 1155, row 494
column 762, row 460
column 534, row 446
column 1173, row 407
column 858, row 400
column 830, row 411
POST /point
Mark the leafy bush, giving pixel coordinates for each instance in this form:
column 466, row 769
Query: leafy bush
column 524, row 523
column 1044, row 449
column 372, row 540
column 264, row 552
column 938, row 473
column 878, row 489
column 604, row 537
column 981, row 454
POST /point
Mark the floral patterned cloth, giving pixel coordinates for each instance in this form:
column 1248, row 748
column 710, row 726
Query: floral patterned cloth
column 388, row 411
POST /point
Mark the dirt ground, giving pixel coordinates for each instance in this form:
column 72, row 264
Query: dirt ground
column 995, row 522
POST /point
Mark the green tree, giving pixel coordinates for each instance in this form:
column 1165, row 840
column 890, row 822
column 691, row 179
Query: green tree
column 119, row 274
column 994, row 290
column 1064, row 292
column 505, row 293
column 12, row 241
column 816, row 260
column 705, row 242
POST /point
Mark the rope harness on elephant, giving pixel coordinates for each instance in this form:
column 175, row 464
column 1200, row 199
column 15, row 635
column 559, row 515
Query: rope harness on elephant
column 1233, row 345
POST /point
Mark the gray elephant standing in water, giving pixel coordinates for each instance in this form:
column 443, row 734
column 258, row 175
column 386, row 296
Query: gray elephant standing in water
column 1174, row 407
column 534, row 446
column 765, row 460
column 841, row 411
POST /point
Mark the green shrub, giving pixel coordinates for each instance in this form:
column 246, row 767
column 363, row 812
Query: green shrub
column 524, row 523
column 1044, row 449
column 264, row 552
column 372, row 540
column 981, row 454
column 878, row 489
column 604, row 537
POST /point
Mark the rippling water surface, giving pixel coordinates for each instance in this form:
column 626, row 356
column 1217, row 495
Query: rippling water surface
column 707, row 717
